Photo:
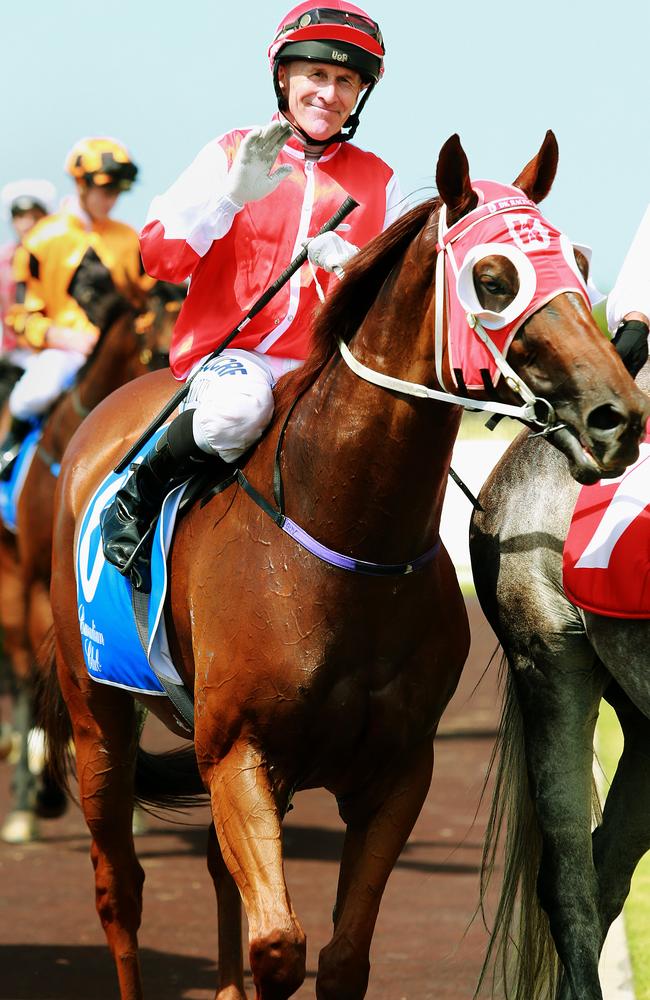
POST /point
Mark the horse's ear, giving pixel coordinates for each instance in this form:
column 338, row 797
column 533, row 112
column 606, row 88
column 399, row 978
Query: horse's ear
column 536, row 179
column 452, row 180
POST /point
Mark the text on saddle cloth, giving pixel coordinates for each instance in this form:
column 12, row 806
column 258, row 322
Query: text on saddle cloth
column 508, row 224
column 119, row 649
column 606, row 562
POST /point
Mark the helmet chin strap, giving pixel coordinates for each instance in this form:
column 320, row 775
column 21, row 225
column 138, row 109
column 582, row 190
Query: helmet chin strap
column 343, row 135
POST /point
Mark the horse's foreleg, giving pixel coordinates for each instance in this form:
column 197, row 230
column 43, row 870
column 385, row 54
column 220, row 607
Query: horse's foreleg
column 231, row 959
column 103, row 725
column 20, row 825
column 559, row 702
column 371, row 849
column 247, row 822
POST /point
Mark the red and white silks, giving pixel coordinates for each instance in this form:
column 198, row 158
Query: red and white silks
column 606, row 563
column 233, row 255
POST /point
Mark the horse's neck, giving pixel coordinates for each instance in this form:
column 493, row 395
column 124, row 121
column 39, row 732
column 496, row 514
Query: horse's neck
column 368, row 460
column 111, row 365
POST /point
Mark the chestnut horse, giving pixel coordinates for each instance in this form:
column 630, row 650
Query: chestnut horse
column 305, row 675
column 135, row 342
column 570, row 883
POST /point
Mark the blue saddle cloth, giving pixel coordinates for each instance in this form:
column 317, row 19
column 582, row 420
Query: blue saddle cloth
column 10, row 489
column 122, row 631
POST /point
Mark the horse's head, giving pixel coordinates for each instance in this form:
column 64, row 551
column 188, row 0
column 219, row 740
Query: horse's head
column 513, row 276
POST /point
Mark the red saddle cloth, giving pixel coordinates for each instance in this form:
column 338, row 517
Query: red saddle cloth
column 606, row 565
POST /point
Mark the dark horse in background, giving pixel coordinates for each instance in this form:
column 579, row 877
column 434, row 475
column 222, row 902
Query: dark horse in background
column 305, row 675
column 135, row 338
column 570, row 884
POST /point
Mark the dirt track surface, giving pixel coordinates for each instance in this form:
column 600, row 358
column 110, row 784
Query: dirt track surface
column 52, row 946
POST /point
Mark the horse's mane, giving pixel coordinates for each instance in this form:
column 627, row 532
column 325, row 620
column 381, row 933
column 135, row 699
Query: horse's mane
column 104, row 330
column 348, row 303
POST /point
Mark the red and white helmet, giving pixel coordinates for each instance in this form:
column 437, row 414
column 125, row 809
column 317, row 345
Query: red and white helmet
column 340, row 33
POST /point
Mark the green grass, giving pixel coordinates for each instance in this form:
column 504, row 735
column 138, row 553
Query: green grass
column 637, row 907
column 472, row 428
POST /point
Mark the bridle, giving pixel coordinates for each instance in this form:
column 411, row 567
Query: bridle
column 535, row 411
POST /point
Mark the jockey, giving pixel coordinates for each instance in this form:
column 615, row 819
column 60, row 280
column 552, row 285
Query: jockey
column 25, row 203
column 233, row 221
column 628, row 303
column 47, row 318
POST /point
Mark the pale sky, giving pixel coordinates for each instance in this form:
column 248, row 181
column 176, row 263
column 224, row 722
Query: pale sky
column 166, row 77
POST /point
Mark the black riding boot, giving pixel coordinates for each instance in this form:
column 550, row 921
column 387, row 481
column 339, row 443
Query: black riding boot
column 174, row 458
column 18, row 431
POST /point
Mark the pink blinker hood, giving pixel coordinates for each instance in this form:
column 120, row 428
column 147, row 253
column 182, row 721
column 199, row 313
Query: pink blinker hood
column 507, row 223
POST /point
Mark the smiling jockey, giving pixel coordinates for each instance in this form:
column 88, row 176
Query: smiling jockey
column 233, row 221
column 47, row 318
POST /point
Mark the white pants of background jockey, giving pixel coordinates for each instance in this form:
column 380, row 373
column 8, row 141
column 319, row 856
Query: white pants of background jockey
column 47, row 374
column 233, row 400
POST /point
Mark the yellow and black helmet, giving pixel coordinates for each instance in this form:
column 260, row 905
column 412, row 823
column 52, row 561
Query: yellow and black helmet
column 101, row 161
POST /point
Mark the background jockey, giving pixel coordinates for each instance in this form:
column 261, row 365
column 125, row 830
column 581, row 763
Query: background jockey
column 47, row 317
column 628, row 303
column 233, row 221
column 25, row 202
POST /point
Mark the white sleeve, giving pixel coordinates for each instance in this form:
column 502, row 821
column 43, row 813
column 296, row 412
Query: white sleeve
column 195, row 208
column 631, row 292
column 396, row 203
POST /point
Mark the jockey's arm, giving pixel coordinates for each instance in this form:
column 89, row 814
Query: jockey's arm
column 183, row 222
column 628, row 303
column 45, row 315
column 331, row 251
column 631, row 291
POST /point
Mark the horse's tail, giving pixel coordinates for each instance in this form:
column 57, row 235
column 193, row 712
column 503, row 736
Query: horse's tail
column 519, row 922
column 520, row 925
column 52, row 715
column 169, row 780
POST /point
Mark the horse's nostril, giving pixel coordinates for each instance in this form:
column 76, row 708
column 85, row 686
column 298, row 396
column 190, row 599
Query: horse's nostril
column 605, row 418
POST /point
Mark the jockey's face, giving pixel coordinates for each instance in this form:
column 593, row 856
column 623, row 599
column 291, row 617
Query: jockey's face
column 24, row 221
column 98, row 200
column 320, row 96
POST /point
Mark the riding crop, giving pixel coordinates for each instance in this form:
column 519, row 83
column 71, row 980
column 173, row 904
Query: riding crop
column 345, row 208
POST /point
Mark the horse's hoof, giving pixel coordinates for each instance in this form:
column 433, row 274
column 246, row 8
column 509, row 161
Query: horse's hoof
column 20, row 827
column 139, row 824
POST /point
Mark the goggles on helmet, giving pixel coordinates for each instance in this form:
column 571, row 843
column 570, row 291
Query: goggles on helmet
column 327, row 16
column 331, row 34
column 113, row 174
column 103, row 162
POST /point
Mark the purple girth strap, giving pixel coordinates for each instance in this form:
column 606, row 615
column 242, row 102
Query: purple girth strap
column 327, row 555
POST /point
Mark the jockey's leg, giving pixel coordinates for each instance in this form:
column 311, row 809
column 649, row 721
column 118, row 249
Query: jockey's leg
column 226, row 410
column 46, row 375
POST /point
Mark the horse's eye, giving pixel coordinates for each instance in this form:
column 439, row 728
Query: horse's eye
column 493, row 286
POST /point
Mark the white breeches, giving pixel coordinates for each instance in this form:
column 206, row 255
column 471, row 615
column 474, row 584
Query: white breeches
column 46, row 375
column 233, row 400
